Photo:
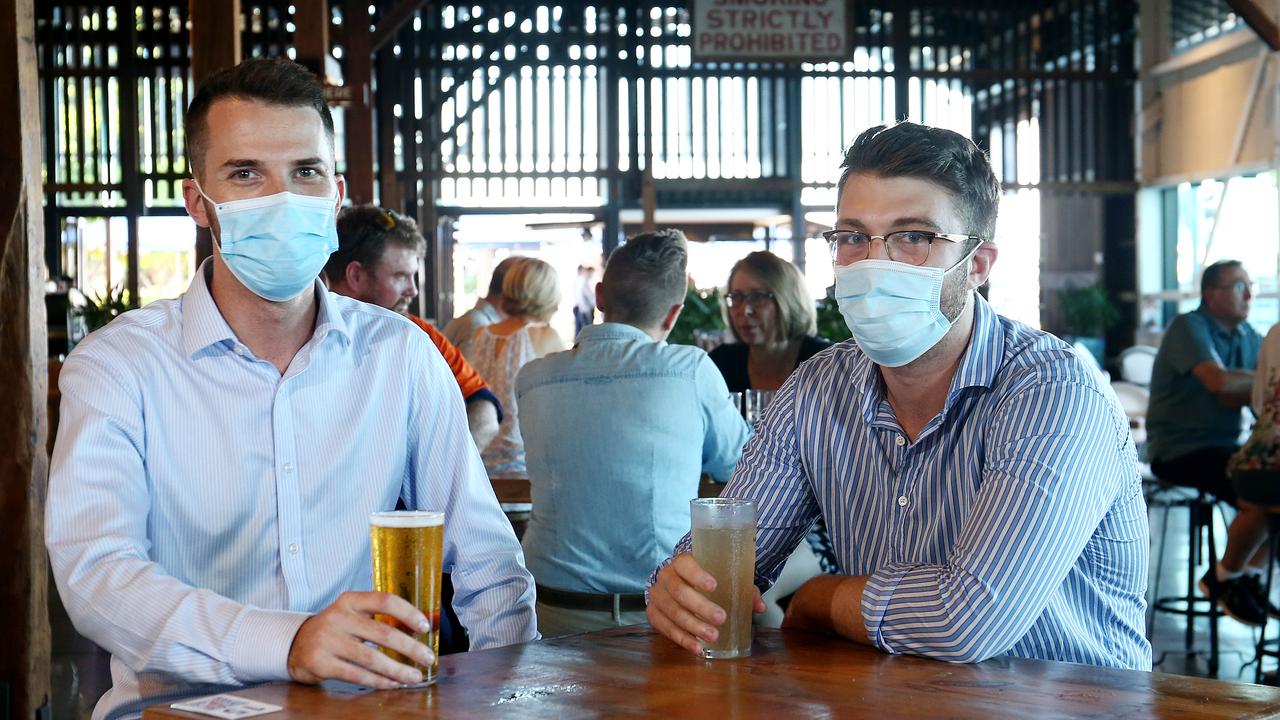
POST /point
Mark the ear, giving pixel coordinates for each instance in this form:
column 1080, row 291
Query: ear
column 983, row 259
column 673, row 314
column 195, row 203
column 342, row 190
column 600, row 296
column 354, row 276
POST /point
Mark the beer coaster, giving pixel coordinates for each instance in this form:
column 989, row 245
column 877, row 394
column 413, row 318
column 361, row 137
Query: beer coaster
column 226, row 706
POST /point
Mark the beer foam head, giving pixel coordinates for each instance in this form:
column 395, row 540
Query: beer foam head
column 406, row 519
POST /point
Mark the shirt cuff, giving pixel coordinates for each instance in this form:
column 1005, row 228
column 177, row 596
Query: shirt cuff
column 262, row 644
column 876, row 596
column 486, row 394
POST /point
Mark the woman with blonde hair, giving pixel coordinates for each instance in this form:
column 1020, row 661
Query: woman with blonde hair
column 530, row 296
column 774, row 321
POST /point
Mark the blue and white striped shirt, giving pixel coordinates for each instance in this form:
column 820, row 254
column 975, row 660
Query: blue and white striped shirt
column 1013, row 525
column 201, row 506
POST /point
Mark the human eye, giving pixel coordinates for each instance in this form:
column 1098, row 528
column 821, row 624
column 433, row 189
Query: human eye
column 913, row 237
column 242, row 175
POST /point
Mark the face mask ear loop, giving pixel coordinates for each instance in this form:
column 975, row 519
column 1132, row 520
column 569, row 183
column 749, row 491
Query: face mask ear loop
column 216, row 240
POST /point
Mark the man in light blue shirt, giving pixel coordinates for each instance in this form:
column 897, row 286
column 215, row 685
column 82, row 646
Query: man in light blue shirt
column 617, row 431
column 219, row 454
column 980, row 485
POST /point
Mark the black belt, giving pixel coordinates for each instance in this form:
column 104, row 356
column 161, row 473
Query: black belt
column 605, row 602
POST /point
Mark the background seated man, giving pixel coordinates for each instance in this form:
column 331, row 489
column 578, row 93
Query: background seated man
column 1202, row 377
column 377, row 260
column 979, row 481
column 617, row 432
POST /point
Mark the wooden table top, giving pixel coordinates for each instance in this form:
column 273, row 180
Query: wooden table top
column 511, row 489
column 635, row 672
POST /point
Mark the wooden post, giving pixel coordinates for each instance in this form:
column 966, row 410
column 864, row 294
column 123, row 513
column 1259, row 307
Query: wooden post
column 24, row 464
column 311, row 35
column 215, row 44
column 359, row 116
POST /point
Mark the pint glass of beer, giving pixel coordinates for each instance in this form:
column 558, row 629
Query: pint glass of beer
column 724, row 544
column 407, row 550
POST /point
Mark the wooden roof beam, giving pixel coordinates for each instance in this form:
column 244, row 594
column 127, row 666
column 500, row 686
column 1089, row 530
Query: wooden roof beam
column 1258, row 19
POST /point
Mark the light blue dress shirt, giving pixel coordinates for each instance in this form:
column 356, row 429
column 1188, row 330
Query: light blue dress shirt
column 201, row 506
column 1014, row 524
column 617, row 431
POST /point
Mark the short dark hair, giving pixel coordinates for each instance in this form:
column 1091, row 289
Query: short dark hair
column 1213, row 274
column 275, row 81
column 942, row 157
column 364, row 232
column 645, row 277
column 797, row 311
column 500, row 273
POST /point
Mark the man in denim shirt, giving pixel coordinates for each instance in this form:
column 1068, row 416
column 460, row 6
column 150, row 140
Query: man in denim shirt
column 1202, row 377
column 617, row 431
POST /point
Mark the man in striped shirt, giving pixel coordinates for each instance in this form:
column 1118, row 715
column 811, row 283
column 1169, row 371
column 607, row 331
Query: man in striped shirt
column 979, row 482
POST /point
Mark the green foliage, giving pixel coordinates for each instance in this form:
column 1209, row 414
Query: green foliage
column 701, row 313
column 100, row 310
column 831, row 323
column 1087, row 311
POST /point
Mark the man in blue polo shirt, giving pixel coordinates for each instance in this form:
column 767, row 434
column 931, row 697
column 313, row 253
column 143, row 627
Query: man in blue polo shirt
column 617, row 431
column 1203, row 376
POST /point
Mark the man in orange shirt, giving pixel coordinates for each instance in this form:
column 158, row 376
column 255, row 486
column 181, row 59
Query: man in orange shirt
column 379, row 252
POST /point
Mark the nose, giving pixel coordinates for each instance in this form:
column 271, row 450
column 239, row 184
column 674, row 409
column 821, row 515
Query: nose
column 884, row 248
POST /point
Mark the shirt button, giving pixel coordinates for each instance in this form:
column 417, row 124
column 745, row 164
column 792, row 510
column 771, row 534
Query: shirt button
column 288, row 468
column 902, row 501
column 900, row 440
column 293, row 548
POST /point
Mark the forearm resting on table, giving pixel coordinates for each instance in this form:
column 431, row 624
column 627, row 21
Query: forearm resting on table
column 830, row 604
column 1233, row 388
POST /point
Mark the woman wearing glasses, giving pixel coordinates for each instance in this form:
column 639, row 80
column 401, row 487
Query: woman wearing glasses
column 773, row 320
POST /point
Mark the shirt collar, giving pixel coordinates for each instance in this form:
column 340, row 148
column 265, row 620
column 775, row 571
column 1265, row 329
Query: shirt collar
column 1217, row 327
column 203, row 324
column 612, row 331
column 978, row 365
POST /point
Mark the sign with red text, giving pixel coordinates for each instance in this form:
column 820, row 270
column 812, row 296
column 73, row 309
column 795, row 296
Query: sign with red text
column 770, row 29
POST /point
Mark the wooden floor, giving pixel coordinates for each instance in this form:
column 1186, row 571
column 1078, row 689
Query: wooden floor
column 81, row 673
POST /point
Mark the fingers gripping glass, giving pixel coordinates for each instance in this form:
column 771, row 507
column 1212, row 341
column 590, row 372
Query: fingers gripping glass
column 742, row 300
column 905, row 246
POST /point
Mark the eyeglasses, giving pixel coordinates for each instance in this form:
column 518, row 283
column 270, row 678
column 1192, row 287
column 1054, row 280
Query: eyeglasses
column 748, row 299
column 1239, row 286
column 911, row 247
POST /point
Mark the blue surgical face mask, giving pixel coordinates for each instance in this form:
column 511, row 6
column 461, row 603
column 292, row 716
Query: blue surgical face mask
column 894, row 310
column 276, row 245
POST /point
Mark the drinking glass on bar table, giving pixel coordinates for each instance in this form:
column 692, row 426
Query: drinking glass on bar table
column 407, row 549
column 724, row 544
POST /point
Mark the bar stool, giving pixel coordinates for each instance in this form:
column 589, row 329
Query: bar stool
column 1268, row 648
column 1200, row 537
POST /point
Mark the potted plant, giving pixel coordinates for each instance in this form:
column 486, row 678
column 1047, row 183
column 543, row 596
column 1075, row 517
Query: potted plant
column 700, row 318
column 102, row 309
column 1087, row 313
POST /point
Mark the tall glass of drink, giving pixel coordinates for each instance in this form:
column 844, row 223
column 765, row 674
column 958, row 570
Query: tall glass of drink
column 407, row 550
column 724, row 544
